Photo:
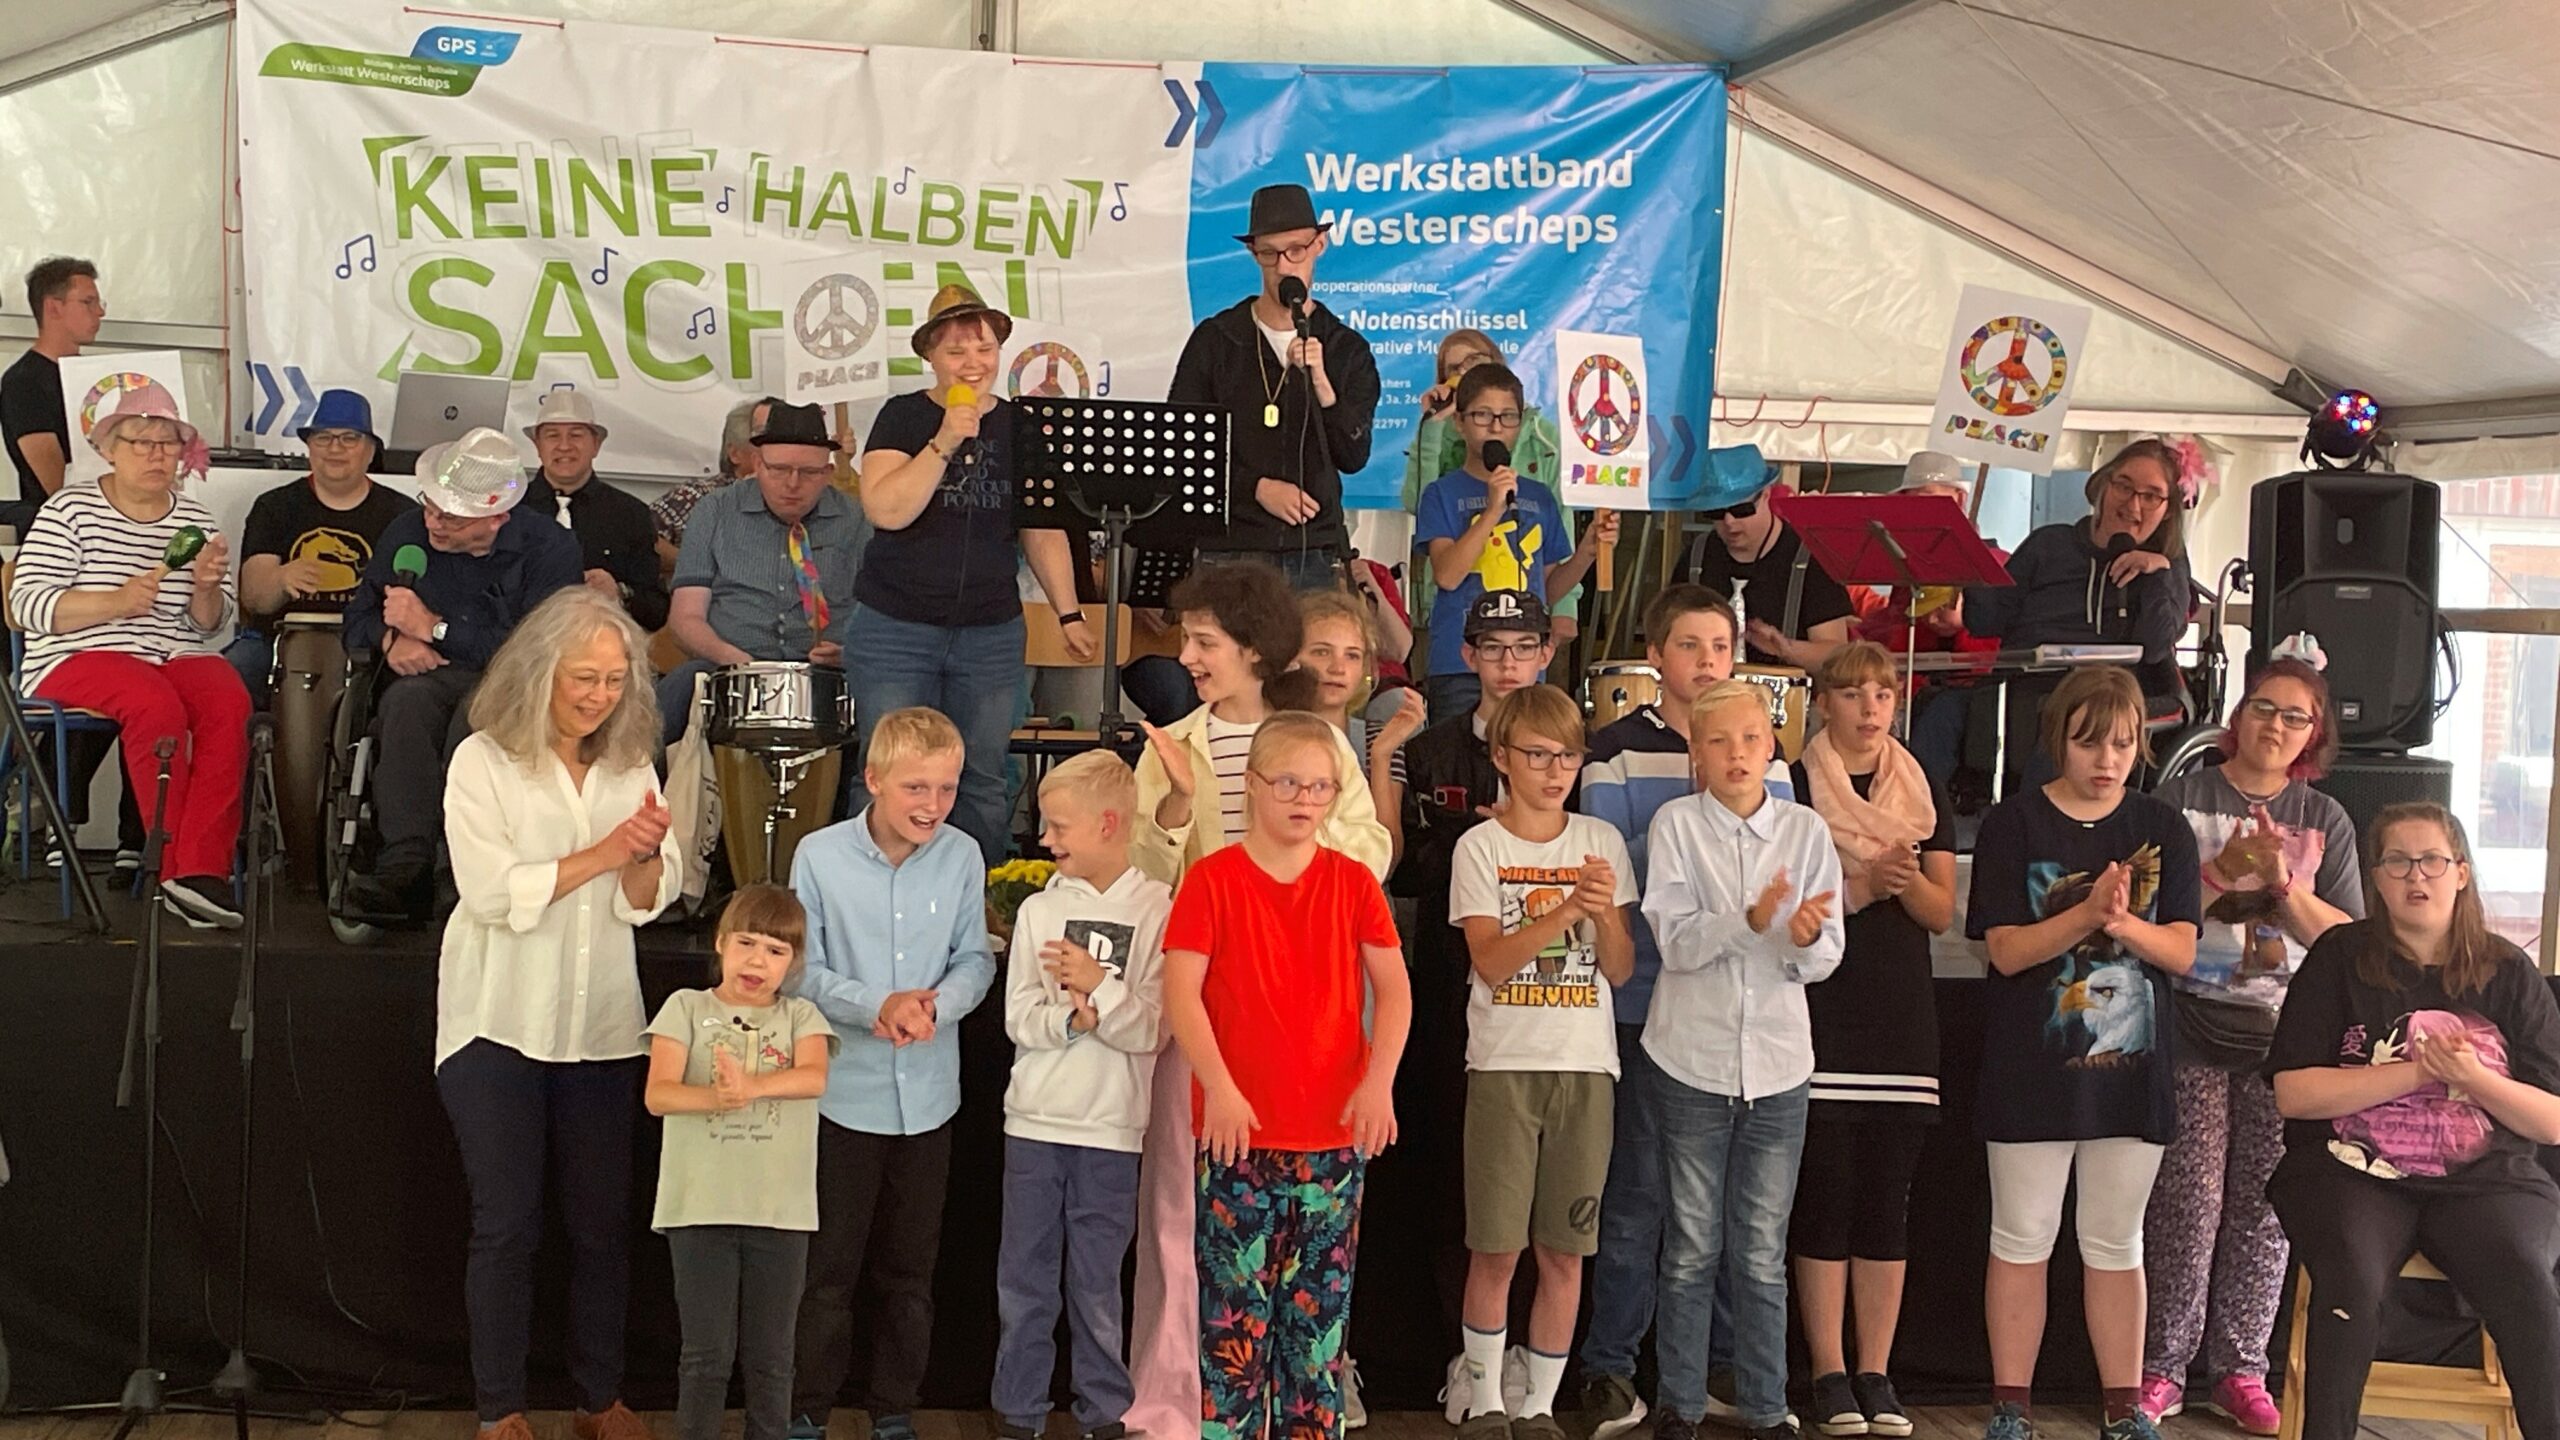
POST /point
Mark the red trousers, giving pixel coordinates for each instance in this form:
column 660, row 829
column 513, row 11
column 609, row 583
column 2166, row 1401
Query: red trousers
column 198, row 701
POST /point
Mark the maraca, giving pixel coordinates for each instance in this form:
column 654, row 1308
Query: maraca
column 183, row 547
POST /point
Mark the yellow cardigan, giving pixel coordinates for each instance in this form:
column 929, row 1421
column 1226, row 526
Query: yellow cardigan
column 1351, row 826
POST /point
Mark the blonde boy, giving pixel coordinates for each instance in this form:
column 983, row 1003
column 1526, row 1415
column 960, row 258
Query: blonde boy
column 1083, row 1001
column 1740, row 891
column 1541, row 895
column 897, row 955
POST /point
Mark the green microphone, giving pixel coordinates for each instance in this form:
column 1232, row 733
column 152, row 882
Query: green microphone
column 183, row 547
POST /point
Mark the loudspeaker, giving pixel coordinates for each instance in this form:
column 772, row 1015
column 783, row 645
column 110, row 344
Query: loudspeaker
column 2351, row 557
column 2365, row 784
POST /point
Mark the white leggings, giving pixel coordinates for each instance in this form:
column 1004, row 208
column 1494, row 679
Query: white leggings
column 2027, row 1181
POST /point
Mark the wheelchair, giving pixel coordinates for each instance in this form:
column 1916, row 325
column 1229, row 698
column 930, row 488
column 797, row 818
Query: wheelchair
column 2191, row 741
column 349, row 836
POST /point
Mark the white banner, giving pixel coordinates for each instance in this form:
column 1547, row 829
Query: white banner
column 92, row 385
column 2011, row 364
column 1605, row 459
column 835, row 330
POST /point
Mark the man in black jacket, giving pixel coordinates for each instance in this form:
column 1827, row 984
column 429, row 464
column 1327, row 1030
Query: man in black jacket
column 1303, row 389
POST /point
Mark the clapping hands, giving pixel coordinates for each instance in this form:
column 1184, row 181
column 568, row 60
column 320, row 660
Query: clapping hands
column 1804, row 922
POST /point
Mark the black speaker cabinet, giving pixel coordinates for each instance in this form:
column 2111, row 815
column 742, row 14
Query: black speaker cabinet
column 2365, row 783
column 2351, row 558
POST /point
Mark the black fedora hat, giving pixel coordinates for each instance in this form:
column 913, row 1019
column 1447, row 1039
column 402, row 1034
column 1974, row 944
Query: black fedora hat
column 795, row 425
column 1281, row 207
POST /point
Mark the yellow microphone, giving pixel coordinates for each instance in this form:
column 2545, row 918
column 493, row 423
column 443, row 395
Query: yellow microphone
column 961, row 395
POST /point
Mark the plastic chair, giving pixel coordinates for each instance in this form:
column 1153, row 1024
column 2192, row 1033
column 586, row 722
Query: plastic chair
column 63, row 722
column 2464, row 1395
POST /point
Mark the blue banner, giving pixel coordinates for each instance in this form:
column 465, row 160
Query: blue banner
column 1513, row 200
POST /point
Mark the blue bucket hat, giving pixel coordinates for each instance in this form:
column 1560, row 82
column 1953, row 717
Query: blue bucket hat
column 342, row 410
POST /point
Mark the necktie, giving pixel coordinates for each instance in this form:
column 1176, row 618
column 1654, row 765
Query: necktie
column 562, row 496
column 804, row 569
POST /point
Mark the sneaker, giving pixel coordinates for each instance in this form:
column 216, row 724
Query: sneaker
column 1113, row 1431
column 898, row 1426
column 805, row 1428
column 2243, row 1400
column 1835, row 1406
column 2009, row 1422
column 1455, row 1390
column 510, row 1427
column 1781, row 1431
column 1610, row 1406
column 1670, row 1426
column 614, row 1422
column 1720, row 1406
column 1492, row 1425
column 128, row 865
column 1880, row 1405
column 2136, row 1426
column 1515, row 1378
column 205, row 903
column 1536, row 1427
column 1355, row 1415
column 2160, row 1398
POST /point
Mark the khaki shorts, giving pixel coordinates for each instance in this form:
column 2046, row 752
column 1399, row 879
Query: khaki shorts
column 1537, row 1145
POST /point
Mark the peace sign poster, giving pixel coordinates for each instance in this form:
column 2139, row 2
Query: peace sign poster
column 1604, row 460
column 2010, row 368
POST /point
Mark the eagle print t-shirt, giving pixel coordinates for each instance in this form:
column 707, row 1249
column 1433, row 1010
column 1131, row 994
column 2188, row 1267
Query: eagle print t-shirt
column 2078, row 1047
column 1555, row 1013
column 2434, row 1137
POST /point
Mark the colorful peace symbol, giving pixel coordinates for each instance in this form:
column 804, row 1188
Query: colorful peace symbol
column 108, row 387
column 1049, row 359
column 1603, row 422
column 1999, row 377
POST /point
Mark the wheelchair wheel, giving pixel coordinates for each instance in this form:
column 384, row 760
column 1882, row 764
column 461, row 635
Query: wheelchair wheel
column 346, row 806
column 2189, row 750
column 354, row 932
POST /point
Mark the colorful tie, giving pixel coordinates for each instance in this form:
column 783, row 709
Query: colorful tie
column 804, row 566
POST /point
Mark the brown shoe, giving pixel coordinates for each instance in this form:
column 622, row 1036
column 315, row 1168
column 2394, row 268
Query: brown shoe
column 617, row 1422
column 512, row 1427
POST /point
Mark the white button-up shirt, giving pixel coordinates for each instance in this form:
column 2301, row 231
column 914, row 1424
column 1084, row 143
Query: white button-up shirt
column 1728, row 1012
column 551, row 979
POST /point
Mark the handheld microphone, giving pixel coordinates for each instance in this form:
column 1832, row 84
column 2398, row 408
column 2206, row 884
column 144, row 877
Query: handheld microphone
column 2118, row 545
column 183, row 546
column 409, row 564
column 1293, row 293
column 1497, row 455
column 961, row 393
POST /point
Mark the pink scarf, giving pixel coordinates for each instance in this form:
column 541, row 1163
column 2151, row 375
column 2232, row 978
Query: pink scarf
column 1897, row 810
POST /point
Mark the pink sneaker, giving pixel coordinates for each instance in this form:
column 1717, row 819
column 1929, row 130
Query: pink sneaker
column 2161, row 1398
column 2243, row 1400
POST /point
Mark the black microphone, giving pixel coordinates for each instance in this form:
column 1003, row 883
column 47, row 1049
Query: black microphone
column 2118, row 545
column 1497, row 455
column 1293, row 293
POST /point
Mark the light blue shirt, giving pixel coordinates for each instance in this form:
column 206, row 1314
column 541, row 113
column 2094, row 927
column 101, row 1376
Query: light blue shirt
column 1728, row 1012
column 876, row 929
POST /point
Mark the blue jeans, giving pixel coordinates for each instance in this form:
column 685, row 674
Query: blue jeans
column 1631, row 1208
column 973, row 674
column 253, row 654
column 1314, row 568
column 1078, row 1205
column 1730, row 1167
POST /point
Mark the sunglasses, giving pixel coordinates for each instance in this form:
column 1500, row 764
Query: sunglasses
column 1743, row 511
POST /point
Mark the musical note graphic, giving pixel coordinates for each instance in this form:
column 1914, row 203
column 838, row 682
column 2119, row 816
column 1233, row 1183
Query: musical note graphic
column 705, row 322
column 348, row 264
column 604, row 272
column 905, row 173
column 725, row 192
column 1104, row 388
column 1119, row 199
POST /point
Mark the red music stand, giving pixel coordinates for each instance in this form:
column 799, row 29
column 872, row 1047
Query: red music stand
column 1890, row 540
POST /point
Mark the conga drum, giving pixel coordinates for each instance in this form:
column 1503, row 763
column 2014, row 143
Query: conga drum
column 748, row 803
column 778, row 731
column 1614, row 689
column 310, row 674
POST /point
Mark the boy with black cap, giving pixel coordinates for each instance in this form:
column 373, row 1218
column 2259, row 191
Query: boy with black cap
column 1303, row 388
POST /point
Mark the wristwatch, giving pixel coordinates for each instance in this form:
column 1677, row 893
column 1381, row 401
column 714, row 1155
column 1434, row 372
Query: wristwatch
column 1072, row 617
column 436, row 636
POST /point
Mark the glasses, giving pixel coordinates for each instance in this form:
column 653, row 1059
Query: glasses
column 1291, row 253
column 2269, row 710
column 1516, row 650
column 2147, row 499
column 1290, row 787
column 1547, row 759
column 335, row 437
column 157, row 447
column 2430, row 865
column 1464, row 362
column 1495, row 419
column 798, row 472
column 1743, row 511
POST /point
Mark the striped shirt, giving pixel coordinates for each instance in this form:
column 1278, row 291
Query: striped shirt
column 1229, row 746
column 81, row 541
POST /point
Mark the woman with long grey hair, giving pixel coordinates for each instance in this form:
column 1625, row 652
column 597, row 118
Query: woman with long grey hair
column 560, row 849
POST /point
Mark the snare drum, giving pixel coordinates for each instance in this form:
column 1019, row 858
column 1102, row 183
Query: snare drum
column 771, row 707
column 309, row 676
column 1613, row 689
column 1790, row 699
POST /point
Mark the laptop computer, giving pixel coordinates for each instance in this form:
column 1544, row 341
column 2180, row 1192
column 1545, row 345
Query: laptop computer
column 429, row 409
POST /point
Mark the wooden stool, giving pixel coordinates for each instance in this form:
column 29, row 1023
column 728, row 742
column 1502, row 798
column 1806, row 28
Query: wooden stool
column 2455, row 1393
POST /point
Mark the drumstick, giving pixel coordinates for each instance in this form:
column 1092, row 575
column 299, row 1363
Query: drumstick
column 1608, row 566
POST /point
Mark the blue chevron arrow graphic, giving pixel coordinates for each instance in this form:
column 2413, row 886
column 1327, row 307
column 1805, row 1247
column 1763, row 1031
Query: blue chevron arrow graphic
column 274, row 402
column 1182, row 114
column 1212, row 114
column 305, row 404
column 1672, row 471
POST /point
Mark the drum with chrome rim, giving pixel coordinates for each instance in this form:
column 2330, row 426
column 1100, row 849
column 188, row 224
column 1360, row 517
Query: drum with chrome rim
column 1614, row 689
column 773, row 707
column 1790, row 700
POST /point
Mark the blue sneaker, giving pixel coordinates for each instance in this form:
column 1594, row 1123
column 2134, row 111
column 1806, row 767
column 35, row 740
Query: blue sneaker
column 899, row 1427
column 2010, row 1422
column 2136, row 1426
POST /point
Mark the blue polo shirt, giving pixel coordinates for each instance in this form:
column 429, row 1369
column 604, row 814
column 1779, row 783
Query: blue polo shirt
column 741, row 552
column 876, row 929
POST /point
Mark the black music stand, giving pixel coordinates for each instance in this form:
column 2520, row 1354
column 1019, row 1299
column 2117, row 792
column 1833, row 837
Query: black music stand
column 1117, row 462
column 1890, row 540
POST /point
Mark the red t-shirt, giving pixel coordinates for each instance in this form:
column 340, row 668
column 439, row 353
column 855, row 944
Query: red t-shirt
column 1285, row 985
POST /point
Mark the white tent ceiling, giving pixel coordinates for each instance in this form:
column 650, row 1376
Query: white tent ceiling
column 2368, row 189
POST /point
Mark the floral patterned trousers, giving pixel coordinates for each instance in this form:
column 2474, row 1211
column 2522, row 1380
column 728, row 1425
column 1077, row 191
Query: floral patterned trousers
column 1278, row 1232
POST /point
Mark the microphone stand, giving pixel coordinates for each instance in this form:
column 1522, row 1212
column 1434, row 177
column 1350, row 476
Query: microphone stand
column 144, row 1395
column 238, row 1379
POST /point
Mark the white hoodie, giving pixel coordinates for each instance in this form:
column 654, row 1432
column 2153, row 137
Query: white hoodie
column 1089, row 1089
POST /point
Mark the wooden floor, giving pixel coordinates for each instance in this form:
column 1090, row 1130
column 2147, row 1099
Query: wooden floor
column 1941, row 1422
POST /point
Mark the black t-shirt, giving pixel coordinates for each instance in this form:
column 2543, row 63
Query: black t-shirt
column 953, row 565
column 291, row 523
column 1876, row 1017
column 1448, row 774
column 1765, row 582
column 2430, row 1140
column 31, row 404
column 2078, row 1047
